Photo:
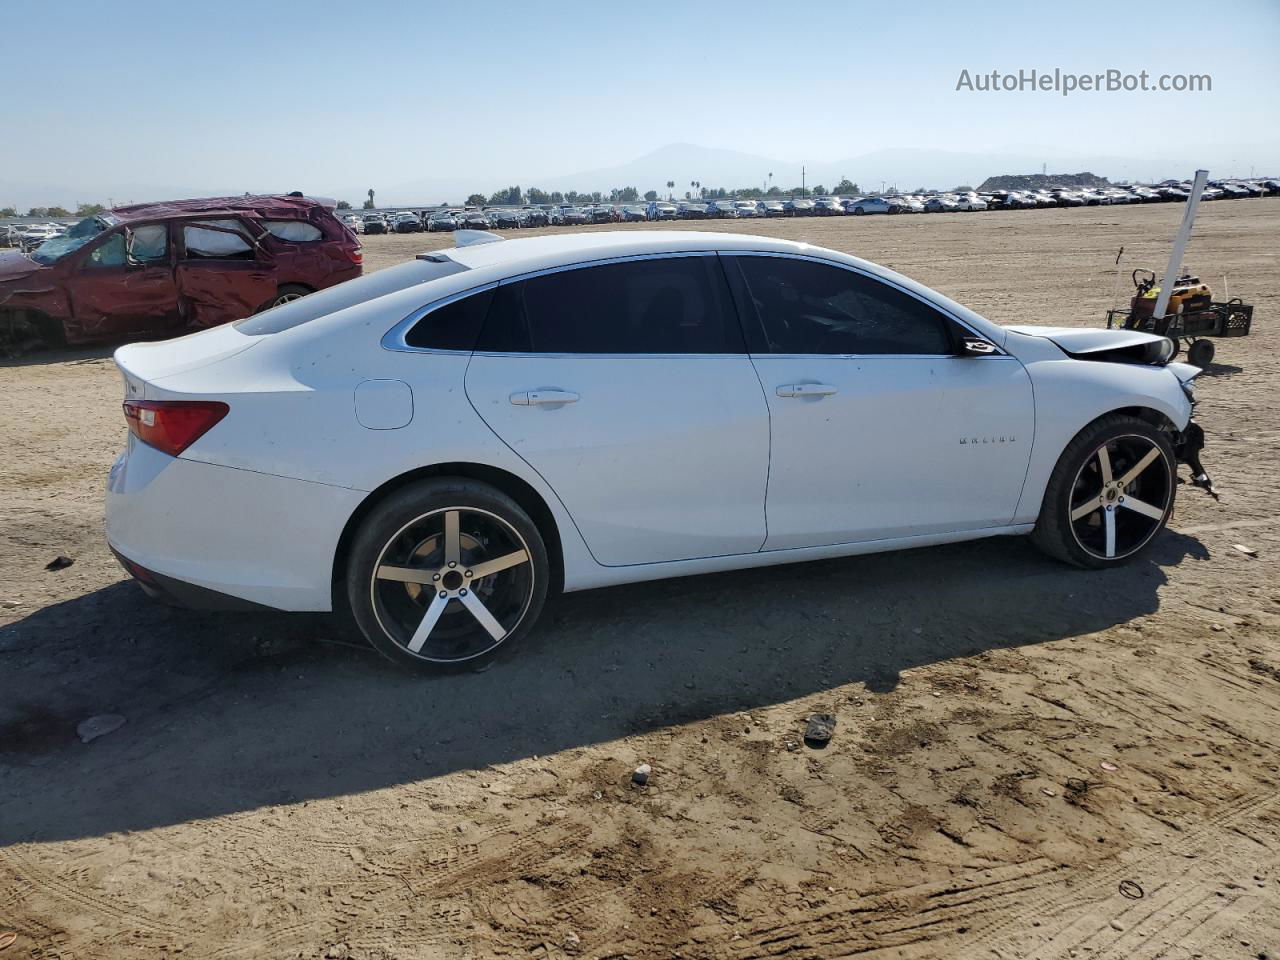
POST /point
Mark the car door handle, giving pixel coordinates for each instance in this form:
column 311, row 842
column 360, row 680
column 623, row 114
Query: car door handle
column 528, row 398
column 807, row 390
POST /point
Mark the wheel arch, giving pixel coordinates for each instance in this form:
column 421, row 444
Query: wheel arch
column 513, row 486
column 1042, row 462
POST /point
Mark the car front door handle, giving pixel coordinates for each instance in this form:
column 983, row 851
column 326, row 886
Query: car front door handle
column 528, row 398
column 807, row 390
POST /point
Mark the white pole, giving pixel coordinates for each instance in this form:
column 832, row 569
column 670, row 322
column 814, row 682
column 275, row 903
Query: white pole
column 1180, row 244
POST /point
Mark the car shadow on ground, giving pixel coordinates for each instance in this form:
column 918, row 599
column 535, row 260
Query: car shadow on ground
column 35, row 354
column 228, row 712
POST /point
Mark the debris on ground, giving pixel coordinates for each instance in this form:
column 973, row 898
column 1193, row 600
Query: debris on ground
column 1264, row 668
column 1131, row 890
column 640, row 776
column 99, row 726
column 818, row 731
column 59, row 563
column 1247, row 551
column 572, row 942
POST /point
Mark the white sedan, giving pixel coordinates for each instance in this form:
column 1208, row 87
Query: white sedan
column 435, row 446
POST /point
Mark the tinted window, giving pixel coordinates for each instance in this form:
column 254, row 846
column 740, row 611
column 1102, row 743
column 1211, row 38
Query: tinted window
column 807, row 307
column 455, row 326
column 661, row 305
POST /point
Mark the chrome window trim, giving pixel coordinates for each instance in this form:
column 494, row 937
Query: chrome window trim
column 888, row 283
column 393, row 339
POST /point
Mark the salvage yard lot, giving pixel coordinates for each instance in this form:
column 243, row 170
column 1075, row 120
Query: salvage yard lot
column 278, row 791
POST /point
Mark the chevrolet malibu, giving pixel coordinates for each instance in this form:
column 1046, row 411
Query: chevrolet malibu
column 435, row 447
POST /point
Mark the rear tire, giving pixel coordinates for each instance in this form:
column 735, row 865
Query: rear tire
column 416, row 580
column 1110, row 494
column 288, row 293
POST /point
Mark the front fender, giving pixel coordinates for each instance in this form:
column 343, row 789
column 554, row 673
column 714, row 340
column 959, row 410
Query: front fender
column 1071, row 394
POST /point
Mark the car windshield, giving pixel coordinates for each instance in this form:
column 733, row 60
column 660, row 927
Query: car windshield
column 71, row 241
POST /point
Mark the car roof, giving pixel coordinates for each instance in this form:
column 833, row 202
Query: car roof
column 536, row 253
column 263, row 205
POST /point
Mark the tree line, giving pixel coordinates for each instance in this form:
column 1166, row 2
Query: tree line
column 514, row 196
column 82, row 210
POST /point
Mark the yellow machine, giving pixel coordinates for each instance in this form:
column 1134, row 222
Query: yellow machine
column 1189, row 294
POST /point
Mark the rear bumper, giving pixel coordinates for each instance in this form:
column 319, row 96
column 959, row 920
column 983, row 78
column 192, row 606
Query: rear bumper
column 187, row 530
column 179, row 593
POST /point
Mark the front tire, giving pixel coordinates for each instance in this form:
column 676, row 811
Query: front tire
column 1110, row 494
column 446, row 574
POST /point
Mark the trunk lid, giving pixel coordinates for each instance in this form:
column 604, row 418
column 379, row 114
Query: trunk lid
column 144, row 363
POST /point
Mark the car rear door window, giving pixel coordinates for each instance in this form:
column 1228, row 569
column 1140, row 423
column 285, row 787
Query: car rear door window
column 294, row 231
column 217, row 240
column 659, row 305
column 804, row 307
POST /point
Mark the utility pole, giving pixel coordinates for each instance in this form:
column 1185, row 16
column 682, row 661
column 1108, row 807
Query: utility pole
column 803, row 190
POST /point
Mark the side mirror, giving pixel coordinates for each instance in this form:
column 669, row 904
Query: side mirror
column 976, row 347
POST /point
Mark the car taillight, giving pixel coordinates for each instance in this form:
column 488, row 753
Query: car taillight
column 355, row 254
column 172, row 425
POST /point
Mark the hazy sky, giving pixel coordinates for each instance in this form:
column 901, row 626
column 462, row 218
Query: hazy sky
column 341, row 94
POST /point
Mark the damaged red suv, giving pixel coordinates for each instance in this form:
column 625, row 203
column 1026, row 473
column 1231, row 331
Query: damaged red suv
column 161, row 269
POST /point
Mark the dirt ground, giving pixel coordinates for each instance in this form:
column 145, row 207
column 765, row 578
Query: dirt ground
column 1030, row 761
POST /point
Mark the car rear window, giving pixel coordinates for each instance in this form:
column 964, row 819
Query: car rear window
column 370, row 287
column 295, row 231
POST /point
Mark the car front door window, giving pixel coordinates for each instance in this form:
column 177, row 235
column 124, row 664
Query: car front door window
column 869, row 403
column 109, row 253
column 805, row 307
column 149, row 243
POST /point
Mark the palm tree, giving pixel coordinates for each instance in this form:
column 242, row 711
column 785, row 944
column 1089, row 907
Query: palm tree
column 671, row 185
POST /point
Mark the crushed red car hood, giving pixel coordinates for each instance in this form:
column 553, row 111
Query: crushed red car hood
column 14, row 266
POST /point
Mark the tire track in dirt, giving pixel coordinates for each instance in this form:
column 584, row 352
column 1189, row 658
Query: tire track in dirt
column 55, row 886
column 1102, row 883
column 845, row 925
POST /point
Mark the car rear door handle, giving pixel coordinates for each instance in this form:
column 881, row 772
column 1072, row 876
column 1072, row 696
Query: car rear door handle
column 807, row 390
column 528, row 398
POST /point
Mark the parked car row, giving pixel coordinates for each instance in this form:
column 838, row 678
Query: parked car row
column 567, row 215
column 28, row 236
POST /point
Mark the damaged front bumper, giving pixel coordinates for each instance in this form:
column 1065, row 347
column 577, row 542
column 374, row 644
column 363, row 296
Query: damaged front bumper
column 1187, row 444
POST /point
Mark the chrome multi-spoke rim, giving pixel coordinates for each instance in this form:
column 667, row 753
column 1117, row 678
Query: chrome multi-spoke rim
column 452, row 584
column 1120, row 497
column 288, row 298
